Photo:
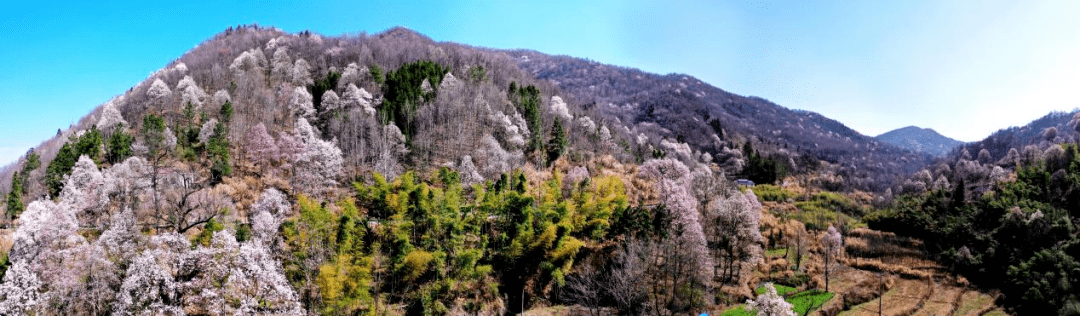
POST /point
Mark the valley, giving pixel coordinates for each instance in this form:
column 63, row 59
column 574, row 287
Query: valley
column 266, row 172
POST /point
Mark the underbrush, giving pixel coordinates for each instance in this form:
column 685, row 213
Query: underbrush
column 817, row 211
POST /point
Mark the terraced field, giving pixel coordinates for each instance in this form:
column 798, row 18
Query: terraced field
column 918, row 287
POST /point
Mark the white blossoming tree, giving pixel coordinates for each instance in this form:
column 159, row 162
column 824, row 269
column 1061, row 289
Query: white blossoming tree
column 832, row 243
column 770, row 304
column 301, row 103
column 319, row 163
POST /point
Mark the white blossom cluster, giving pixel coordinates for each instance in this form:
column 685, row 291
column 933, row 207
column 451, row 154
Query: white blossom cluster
column 319, row 163
column 559, row 108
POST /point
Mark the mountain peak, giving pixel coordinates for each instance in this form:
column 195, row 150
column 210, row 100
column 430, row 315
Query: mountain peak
column 920, row 139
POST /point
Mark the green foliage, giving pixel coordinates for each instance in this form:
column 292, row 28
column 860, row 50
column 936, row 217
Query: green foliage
column 403, row 92
column 737, row 310
column 321, row 86
column 217, row 148
column 377, row 74
column 243, row 232
column 4, row 263
column 805, row 302
column 772, row 193
column 207, row 234
column 556, row 145
column 14, row 197
column 189, row 131
column 527, row 100
column 1023, row 230
column 477, row 73
column 818, row 216
column 640, row 222
column 19, row 179
column 802, row 302
column 760, row 169
column 839, row 203
column 427, row 244
column 88, row 144
column 226, row 112
column 153, row 132
column 119, row 145
column 414, row 265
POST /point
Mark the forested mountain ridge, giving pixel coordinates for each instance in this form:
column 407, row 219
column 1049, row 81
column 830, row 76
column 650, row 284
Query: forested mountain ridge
column 710, row 120
column 272, row 173
column 920, row 140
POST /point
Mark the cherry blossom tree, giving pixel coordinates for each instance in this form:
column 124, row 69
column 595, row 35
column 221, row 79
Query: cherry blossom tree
column 301, row 73
column 85, row 190
column 45, row 225
column 207, row 130
column 672, row 183
column 301, row 103
column 268, row 212
column 220, row 97
column 110, row 116
column 191, row 93
column 251, row 60
column 81, row 280
column 330, row 101
column 149, row 286
column 469, row 175
column 735, row 229
column 281, row 65
column 833, row 248
column 770, row 304
column 319, row 163
column 350, row 76
column 359, row 97
column 229, row 277
column 21, row 290
column 261, row 147
column 158, row 91
column 559, row 108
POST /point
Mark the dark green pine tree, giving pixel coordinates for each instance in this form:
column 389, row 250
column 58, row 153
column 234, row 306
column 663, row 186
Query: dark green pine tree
column 118, row 147
column 557, row 143
column 14, row 198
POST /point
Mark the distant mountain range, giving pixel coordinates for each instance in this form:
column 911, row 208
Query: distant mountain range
column 922, row 140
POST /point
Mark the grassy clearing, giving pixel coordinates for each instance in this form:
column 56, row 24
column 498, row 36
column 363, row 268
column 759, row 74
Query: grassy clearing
column 972, row 303
column 737, row 310
column 808, row 301
column 778, row 252
column 802, row 302
column 774, row 193
column 782, row 290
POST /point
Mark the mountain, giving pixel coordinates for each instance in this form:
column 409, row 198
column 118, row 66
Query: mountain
column 264, row 172
column 1039, row 135
column 683, row 109
column 920, row 140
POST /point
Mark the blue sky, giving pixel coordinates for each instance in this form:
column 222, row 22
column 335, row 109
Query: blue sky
column 873, row 65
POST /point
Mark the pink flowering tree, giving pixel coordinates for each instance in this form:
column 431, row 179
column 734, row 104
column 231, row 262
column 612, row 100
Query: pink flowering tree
column 770, row 304
column 833, row 248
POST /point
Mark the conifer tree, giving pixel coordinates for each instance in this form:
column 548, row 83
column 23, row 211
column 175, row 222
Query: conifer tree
column 556, row 145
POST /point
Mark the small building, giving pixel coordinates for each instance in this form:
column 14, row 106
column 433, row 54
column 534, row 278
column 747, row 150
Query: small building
column 744, row 183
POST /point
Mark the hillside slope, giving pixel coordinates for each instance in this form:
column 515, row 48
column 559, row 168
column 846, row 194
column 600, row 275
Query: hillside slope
column 680, row 107
column 272, row 173
column 920, row 140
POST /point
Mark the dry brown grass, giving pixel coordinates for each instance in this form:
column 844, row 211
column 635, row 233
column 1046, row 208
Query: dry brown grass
column 974, row 303
column 897, row 301
column 941, row 302
column 6, row 239
column 878, row 266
